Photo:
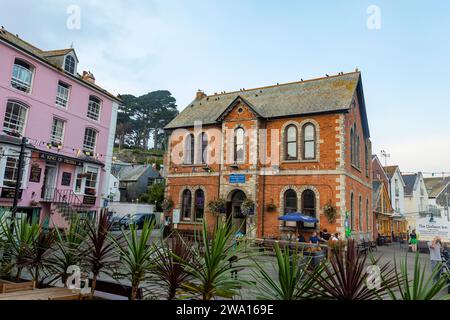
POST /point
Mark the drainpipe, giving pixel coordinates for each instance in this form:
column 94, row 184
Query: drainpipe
column 264, row 185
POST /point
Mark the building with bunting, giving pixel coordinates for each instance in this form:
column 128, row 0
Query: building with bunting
column 69, row 124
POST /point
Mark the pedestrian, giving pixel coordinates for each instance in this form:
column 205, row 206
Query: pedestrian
column 324, row 235
column 335, row 237
column 435, row 247
column 413, row 241
column 314, row 238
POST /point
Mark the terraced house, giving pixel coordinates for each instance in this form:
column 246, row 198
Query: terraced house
column 296, row 147
column 69, row 123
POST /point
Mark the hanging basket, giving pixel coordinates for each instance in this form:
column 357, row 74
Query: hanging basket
column 248, row 207
column 218, row 206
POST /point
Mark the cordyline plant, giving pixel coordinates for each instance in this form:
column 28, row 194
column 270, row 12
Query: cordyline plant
column 210, row 266
column 37, row 254
column 101, row 251
column 69, row 249
column 419, row 287
column 345, row 277
column 136, row 255
column 295, row 280
column 169, row 272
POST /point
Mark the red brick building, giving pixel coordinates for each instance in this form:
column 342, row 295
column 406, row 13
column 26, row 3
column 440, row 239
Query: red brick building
column 294, row 147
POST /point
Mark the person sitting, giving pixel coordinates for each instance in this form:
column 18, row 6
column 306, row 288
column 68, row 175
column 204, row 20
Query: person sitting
column 314, row 238
column 324, row 235
column 301, row 238
column 335, row 237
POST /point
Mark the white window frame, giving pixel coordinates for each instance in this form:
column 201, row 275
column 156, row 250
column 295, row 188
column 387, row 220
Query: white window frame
column 61, row 100
column 84, row 170
column 54, row 139
column 92, row 113
column 8, row 151
column 19, row 82
column 21, row 130
column 87, row 147
column 74, row 64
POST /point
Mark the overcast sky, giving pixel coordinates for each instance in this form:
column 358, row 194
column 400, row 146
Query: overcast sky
column 140, row 46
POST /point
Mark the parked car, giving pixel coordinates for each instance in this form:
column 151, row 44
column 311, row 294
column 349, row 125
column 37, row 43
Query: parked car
column 140, row 218
column 119, row 222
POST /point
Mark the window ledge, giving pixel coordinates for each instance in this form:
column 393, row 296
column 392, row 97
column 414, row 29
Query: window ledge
column 195, row 165
column 190, row 222
column 356, row 168
column 301, row 161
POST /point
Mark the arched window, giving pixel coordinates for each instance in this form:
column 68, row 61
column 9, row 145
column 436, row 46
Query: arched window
column 199, row 205
column 189, row 144
column 15, row 118
column 290, row 201
column 239, row 150
column 22, row 75
column 352, row 211
column 186, row 202
column 360, row 216
column 204, row 147
column 367, row 215
column 366, row 158
column 309, row 141
column 352, row 146
column 69, row 64
column 309, row 203
column 291, row 144
column 94, row 108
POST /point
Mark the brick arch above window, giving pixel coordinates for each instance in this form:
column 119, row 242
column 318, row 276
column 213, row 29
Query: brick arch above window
column 316, row 193
column 316, row 136
column 192, row 189
column 284, row 128
column 282, row 193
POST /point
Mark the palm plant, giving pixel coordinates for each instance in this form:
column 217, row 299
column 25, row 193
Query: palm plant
column 100, row 250
column 70, row 250
column 136, row 255
column 169, row 272
column 210, row 266
column 37, row 254
column 295, row 281
column 419, row 287
column 345, row 277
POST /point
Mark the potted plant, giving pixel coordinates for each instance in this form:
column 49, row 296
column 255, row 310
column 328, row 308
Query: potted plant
column 330, row 212
column 271, row 207
column 34, row 203
column 248, row 207
column 217, row 206
column 167, row 205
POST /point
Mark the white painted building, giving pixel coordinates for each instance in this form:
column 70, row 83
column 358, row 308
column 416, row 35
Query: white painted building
column 113, row 191
column 416, row 198
column 396, row 189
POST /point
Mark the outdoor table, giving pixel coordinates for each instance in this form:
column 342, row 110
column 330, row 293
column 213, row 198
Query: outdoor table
column 37, row 294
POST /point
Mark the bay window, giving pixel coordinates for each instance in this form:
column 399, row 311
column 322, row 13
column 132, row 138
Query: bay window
column 86, row 181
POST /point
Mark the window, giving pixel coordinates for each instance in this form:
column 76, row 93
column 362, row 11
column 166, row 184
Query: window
column 90, row 138
column 204, row 144
column 62, row 94
column 367, row 215
column 57, row 134
column 78, row 183
column 186, row 205
column 360, row 216
column 309, row 141
column 352, row 146
column 239, row 135
column 397, row 189
column 22, row 76
column 90, row 187
column 366, row 157
column 69, row 64
column 291, row 142
column 290, row 201
column 189, row 147
column 15, row 117
column 11, row 172
column 94, row 108
column 309, row 203
column 352, row 211
column 199, row 205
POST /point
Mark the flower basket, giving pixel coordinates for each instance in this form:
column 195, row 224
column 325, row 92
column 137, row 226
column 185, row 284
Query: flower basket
column 248, row 207
column 271, row 207
column 330, row 212
column 217, row 206
column 167, row 205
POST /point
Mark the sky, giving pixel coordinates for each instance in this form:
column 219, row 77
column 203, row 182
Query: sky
column 401, row 47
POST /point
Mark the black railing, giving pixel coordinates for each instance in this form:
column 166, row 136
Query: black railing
column 67, row 203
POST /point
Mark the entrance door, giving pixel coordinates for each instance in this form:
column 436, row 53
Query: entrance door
column 48, row 188
column 239, row 221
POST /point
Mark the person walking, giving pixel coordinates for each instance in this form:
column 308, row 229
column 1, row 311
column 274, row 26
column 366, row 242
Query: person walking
column 435, row 247
column 413, row 241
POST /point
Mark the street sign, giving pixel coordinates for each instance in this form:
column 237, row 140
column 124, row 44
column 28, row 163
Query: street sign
column 176, row 216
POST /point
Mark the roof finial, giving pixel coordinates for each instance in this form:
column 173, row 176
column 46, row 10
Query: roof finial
column 71, row 45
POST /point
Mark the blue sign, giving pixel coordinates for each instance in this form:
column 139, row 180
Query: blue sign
column 237, row 178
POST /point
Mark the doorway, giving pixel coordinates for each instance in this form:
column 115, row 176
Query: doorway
column 234, row 213
column 49, row 185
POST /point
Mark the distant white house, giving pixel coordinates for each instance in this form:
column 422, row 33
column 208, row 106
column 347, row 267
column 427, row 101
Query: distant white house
column 439, row 195
column 416, row 198
column 396, row 189
column 113, row 190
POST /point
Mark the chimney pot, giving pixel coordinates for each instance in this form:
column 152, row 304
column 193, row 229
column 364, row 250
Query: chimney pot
column 200, row 95
column 88, row 76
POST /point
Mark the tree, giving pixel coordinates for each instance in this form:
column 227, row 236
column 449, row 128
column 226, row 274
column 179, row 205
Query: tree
column 154, row 195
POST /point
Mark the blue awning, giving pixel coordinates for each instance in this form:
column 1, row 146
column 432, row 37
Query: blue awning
column 299, row 217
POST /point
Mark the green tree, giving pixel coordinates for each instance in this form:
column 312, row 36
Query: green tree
column 154, row 195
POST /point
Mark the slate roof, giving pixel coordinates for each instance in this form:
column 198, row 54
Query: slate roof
column 436, row 185
column 330, row 94
column 48, row 57
column 132, row 172
column 410, row 181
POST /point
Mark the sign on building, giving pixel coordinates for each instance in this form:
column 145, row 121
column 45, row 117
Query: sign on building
column 176, row 216
column 430, row 227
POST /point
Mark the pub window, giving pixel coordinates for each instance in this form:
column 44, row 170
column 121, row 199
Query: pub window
column 62, row 94
column 309, row 203
column 239, row 135
column 309, row 141
column 94, row 107
column 186, row 205
column 290, row 201
column 15, row 118
column 57, row 134
column 11, row 172
column 91, row 181
column 22, row 76
column 291, row 144
column 189, row 147
column 199, row 205
column 90, row 139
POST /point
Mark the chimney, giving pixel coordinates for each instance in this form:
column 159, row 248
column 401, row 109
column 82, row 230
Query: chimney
column 88, row 76
column 200, row 95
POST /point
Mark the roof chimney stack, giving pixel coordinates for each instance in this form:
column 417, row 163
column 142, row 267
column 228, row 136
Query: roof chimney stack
column 200, row 95
column 88, row 76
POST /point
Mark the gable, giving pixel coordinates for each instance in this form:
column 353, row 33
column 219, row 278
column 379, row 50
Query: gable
column 239, row 109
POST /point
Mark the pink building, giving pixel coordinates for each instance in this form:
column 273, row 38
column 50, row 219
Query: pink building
column 69, row 123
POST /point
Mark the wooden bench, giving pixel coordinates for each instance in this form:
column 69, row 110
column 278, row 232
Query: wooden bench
column 363, row 247
column 66, row 297
column 9, row 287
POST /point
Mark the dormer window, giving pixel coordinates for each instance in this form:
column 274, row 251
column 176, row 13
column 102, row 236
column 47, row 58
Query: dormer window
column 22, row 76
column 69, row 64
